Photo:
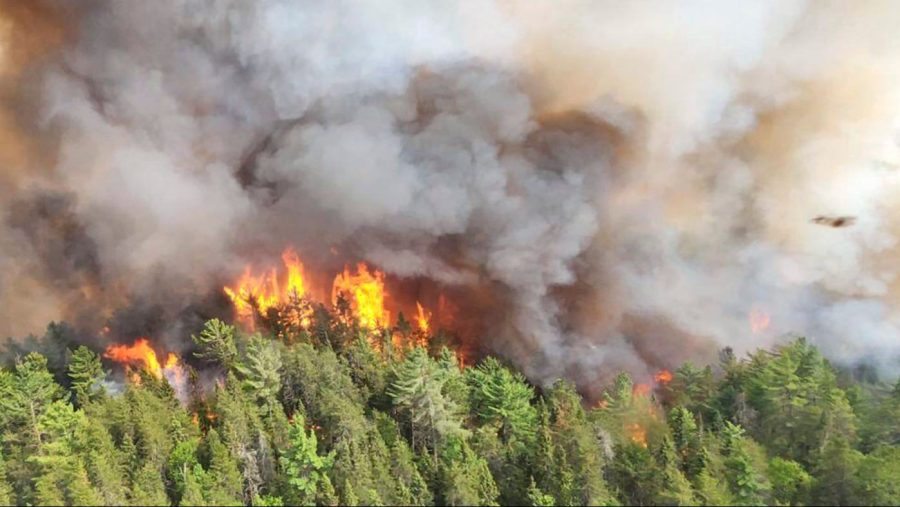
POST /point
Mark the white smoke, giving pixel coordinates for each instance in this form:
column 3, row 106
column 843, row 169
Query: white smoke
column 630, row 181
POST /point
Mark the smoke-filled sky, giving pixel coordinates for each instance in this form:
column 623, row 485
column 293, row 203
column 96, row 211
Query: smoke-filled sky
column 623, row 185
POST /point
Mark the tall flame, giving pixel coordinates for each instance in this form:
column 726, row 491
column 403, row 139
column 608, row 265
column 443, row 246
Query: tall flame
column 423, row 318
column 366, row 293
column 262, row 292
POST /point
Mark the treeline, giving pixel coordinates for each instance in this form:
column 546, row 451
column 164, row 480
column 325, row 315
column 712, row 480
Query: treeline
column 339, row 415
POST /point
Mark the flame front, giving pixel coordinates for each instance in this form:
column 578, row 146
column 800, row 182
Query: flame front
column 139, row 353
column 254, row 294
column 366, row 294
column 423, row 318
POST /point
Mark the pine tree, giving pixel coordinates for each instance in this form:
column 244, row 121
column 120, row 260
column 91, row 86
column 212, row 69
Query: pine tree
column 26, row 395
column 464, row 477
column 306, row 471
column 223, row 485
column 7, row 496
column 148, row 487
column 243, row 433
column 217, row 343
column 260, row 370
column 835, row 473
column 790, row 482
column 876, row 478
column 417, row 391
column 501, row 397
column 104, row 463
column 687, row 440
column 538, row 498
column 743, row 479
column 86, row 374
column 192, row 488
column 674, row 488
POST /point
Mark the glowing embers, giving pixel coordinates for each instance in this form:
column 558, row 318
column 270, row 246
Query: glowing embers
column 637, row 434
column 254, row 295
column 365, row 293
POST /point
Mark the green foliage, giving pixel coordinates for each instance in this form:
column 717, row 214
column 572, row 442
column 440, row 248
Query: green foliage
column 306, row 471
column 337, row 415
column 86, row 374
column 260, row 371
column 418, row 393
column 877, row 477
column 217, row 343
column 790, row 482
column 503, row 398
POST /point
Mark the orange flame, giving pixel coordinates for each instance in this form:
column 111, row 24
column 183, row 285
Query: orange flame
column 641, row 390
column 139, row 353
column 366, row 293
column 663, row 377
column 423, row 318
column 637, row 433
column 260, row 293
column 759, row 321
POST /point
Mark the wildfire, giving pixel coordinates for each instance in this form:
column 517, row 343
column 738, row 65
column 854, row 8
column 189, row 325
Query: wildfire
column 641, row 390
column 422, row 318
column 637, row 433
column 759, row 321
column 663, row 377
column 259, row 293
column 366, row 294
column 142, row 354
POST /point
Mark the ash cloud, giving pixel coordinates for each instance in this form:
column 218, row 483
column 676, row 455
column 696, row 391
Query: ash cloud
column 617, row 186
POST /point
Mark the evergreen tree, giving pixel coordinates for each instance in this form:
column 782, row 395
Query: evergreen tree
column 260, row 370
column 217, row 343
column 538, row 498
column 223, row 479
column 876, row 478
column 86, row 374
column 674, row 488
column 417, row 391
column 790, row 482
column 745, row 481
column 503, row 398
column 836, row 473
column 306, row 471
column 464, row 477
column 7, row 496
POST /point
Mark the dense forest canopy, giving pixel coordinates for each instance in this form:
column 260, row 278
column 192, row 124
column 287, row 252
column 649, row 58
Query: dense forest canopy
column 335, row 413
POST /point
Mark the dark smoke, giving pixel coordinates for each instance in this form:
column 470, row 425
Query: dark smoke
column 595, row 185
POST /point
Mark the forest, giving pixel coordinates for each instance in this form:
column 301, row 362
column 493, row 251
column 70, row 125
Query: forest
column 333, row 413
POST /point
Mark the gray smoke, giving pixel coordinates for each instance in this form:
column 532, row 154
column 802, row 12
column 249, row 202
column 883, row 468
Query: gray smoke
column 615, row 185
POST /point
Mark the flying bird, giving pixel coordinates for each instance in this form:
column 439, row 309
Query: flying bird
column 836, row 222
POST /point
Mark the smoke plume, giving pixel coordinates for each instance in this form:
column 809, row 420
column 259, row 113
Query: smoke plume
column 603, row 185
